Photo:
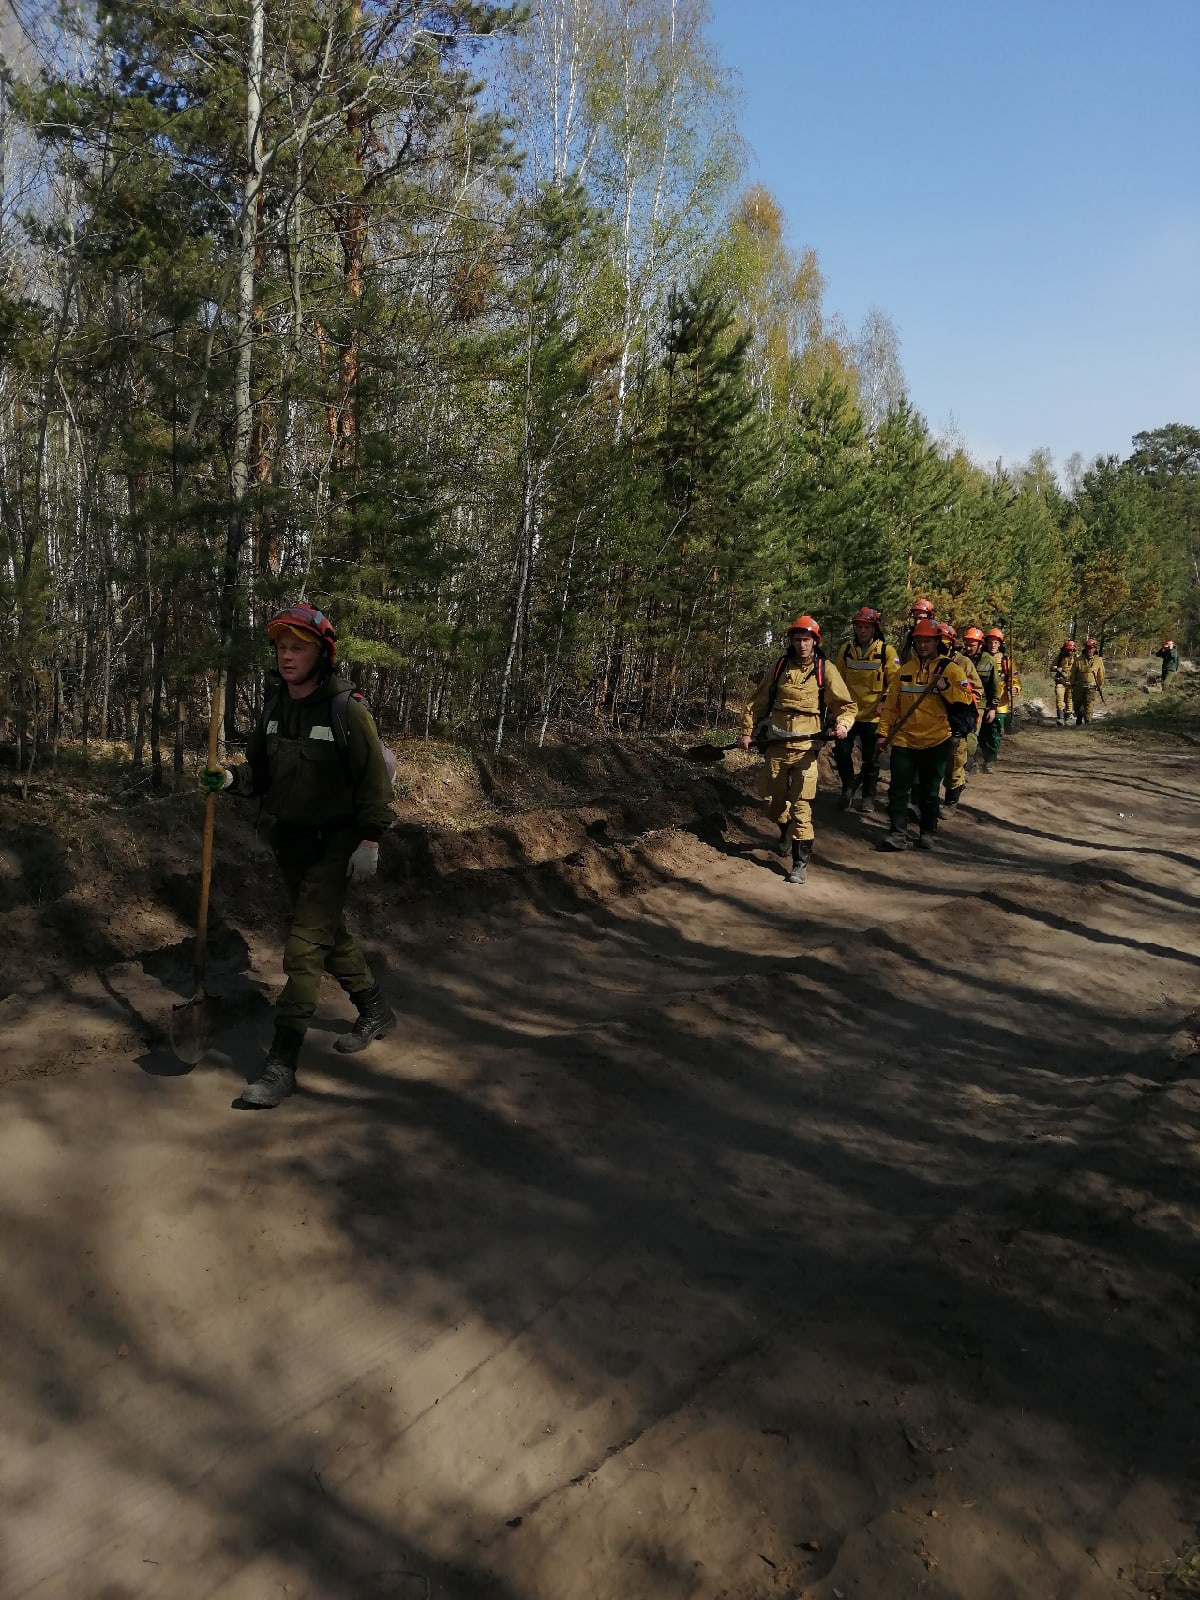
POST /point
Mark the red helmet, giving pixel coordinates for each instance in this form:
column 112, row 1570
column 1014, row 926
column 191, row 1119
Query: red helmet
column 1168, row 644
column 926, row 628
column 1091, row 644
column 975, row 635
column 995, row 633
column 1069, row 647
column 307, row 620
column 921, row 608
column 947, row 632
column 806, row 624
column 866, row 614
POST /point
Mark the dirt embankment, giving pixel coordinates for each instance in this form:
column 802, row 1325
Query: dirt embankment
column 105, row 879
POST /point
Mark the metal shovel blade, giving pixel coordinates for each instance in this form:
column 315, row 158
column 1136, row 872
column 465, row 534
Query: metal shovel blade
column 193, row 1024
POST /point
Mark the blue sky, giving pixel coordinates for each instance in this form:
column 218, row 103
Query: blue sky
column 1016, row 185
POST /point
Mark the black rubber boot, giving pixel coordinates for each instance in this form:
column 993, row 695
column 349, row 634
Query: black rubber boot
column 866, row 801
column 781, row 847
column 1061, row 720
column 278, row 1076
column 844, row 799
column 376, row 1019
column 801, row 852
column 953, row 796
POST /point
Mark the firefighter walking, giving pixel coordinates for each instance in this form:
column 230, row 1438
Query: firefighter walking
column 965, row 741
column 787, row 718
column 1087, row 681
column 995, row 717
column 329, row 809
column 1063, row 700
column 929, row 700
column 868, row 664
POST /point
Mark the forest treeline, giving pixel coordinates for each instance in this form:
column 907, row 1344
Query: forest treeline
column 458, row 320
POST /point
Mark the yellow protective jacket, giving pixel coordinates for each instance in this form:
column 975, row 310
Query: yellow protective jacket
column 796, row 707
column 973, row 679
column 1003, row 673
column 868, row 674
column 925, row 723
column 1063, row 666
column 1087, row 674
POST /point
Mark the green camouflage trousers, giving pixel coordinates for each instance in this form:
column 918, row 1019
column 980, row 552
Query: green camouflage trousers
column 314, row 871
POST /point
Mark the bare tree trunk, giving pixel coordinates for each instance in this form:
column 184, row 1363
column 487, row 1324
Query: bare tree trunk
column 239, row 474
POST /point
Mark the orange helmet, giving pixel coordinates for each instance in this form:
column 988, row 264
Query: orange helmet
column 1169, row 644
column 866, row 614
column 974, row 635
column 947, row 632
column 1069, row 647
column 309, row 622
column 926, row 628
column 921, row 608
column 1091, row 644
column 995, row 633
column 806, row 624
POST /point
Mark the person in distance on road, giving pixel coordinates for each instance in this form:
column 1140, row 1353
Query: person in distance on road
column 995, row 717
column 330, row 807
column 986, row 671
column 928, row 700
column 1087, row 680
column 1063, row 705
column 868, row 664
column 965, row 741
column 1169, row 656
column 786, row 717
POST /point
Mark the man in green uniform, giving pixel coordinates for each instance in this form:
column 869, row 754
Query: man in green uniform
column 867, row 664
column 330, row 806
column 1169, row 656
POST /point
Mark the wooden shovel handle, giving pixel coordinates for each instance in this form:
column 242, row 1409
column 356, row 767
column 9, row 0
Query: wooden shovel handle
column 206, row 850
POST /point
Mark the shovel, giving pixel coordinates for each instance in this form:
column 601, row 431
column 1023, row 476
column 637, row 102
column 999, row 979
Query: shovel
column 194, row 1022
column 709, row 752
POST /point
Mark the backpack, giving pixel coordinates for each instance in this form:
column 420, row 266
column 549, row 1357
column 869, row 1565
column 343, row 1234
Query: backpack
column 760, row 733
column 339, row 721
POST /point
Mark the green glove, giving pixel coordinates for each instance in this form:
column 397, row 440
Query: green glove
column 214, row 779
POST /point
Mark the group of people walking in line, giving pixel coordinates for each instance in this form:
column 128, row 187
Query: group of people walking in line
column 1078, row 679
column 937, row 704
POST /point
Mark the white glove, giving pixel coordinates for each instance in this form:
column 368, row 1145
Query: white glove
column 364, row 863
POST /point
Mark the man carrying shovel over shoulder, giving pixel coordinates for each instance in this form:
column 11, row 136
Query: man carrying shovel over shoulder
column 787, row 719
column 330, row 806
column 928, row 702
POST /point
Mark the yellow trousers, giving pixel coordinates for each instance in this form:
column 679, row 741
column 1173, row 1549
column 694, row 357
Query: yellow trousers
column 1062, row 698
column 787, row 784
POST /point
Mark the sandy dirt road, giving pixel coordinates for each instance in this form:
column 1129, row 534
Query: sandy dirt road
column 722, row 1239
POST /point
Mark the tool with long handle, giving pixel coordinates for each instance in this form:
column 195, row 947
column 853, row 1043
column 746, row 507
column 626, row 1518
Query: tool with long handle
column 717, row 752
column 194, row 1022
